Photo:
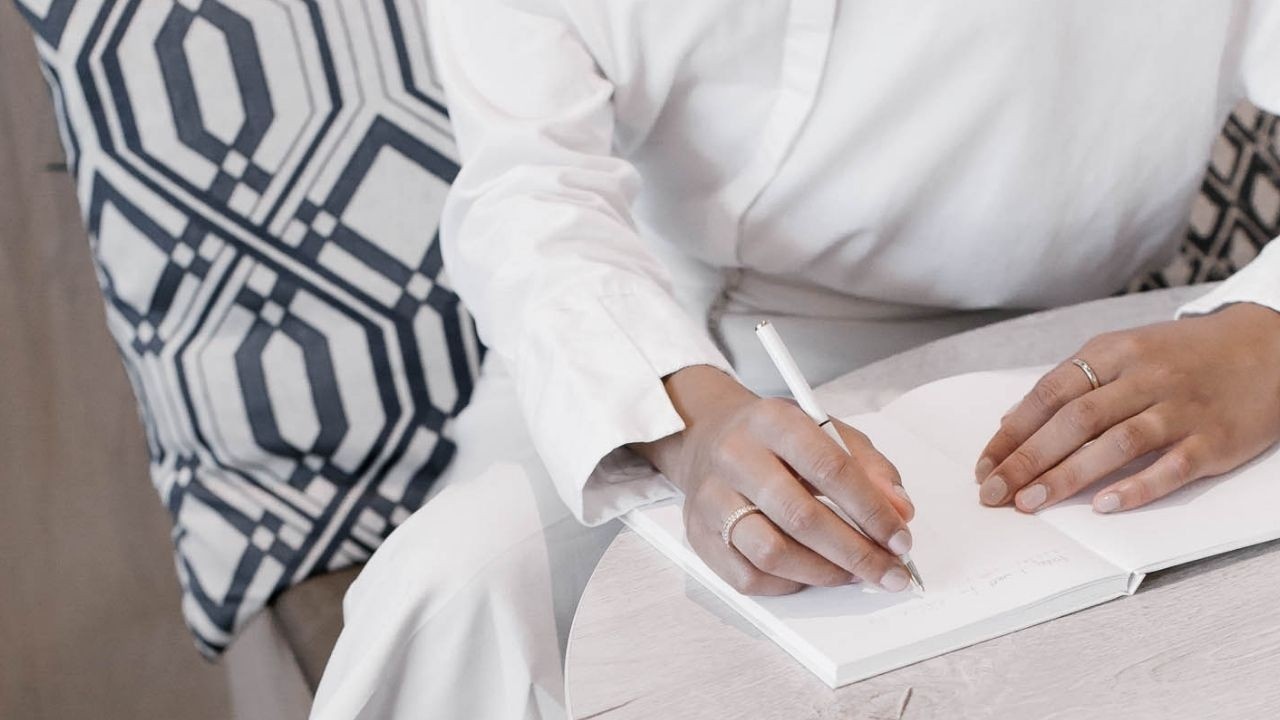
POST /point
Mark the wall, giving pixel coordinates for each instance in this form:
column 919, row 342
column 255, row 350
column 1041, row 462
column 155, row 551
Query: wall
column 89, row 618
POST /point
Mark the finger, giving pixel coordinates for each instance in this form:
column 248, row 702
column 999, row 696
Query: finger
column 1059, row 386
column 774, row 553
column 770, row 550
column 767, row 482
column 1182, row 464
column 1078, row 422
column 840, row 476
column 800, row 443
column 800, row 515
column 731, row 566
column 791, row 434
column 879, row 470
column 1115, row 448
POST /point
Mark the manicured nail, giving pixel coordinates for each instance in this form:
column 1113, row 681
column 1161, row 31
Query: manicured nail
column 985, row 466
column 993, row 490
column 1107, row 503
column 896, row 580
column 900, row 543
column 1032, row 497
column 902, row 493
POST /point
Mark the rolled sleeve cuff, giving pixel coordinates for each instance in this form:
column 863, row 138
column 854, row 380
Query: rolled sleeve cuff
column 1259, row 283
column 590, row 382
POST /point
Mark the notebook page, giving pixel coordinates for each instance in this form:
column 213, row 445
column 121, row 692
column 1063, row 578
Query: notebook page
column 978, row 563
column 958, row 415
column 1208, row 517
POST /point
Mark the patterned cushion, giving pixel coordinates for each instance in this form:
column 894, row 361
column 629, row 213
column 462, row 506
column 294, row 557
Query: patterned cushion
column 261, row 182
column 1238, row 208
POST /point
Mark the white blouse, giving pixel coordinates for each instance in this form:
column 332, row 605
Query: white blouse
column 985, row 154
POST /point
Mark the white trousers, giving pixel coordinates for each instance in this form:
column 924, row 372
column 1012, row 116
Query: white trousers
column 464, row 612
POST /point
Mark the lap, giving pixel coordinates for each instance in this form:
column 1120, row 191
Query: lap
column 495, row 500
column 479, row 583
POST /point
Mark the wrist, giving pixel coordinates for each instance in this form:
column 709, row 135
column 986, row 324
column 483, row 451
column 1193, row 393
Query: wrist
column 700, row 394
column 1258, row 320
column 1261, row 325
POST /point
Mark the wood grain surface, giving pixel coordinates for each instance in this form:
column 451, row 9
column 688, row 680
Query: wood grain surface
column 89, row 601
column 1197, row 641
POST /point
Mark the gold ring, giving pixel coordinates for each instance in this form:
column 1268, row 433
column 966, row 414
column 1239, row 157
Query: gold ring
column 1088, row 372
column 726, row 532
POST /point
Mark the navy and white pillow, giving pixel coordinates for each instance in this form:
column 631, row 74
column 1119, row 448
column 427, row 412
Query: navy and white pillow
column 261, row 183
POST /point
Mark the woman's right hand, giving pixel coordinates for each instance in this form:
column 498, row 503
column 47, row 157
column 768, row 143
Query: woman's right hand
column 738, row 449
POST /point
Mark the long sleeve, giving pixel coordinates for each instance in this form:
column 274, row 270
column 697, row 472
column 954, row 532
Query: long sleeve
column 1259, row 282
column 539, row 242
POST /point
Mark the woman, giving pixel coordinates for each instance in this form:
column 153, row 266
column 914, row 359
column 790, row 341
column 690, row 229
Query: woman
column 644, row 179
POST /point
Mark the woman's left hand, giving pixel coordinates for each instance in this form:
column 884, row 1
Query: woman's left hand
column 1203, row 392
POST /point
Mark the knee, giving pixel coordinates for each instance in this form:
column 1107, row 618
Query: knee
column 470, row 533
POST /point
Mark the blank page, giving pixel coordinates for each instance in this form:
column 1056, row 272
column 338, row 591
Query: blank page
column 1208, row 517
column 958, row 415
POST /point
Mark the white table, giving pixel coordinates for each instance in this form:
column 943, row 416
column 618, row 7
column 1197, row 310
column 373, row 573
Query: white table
column 1202, row 640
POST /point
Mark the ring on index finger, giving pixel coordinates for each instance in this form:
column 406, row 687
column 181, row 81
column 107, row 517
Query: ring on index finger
column 1088, row 372
column 726, row 531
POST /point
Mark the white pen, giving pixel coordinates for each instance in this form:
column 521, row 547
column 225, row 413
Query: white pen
column 803, row 394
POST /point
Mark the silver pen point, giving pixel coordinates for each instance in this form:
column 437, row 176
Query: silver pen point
column 911, row 568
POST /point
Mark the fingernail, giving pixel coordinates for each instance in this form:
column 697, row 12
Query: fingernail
column 900, row 543
column 896, row 580
column 985, row 466
column 902, row 493
column 1032, row 497
column 993, row 490
column 1108, row 503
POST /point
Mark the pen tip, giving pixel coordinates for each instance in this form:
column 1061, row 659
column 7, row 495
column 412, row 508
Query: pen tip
column 915, row 574
column 761, row 325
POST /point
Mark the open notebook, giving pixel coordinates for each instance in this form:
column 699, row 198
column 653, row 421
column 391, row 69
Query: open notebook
column 989, row 571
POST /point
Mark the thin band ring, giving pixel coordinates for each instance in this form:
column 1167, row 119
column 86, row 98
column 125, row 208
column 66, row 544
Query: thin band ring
column 726, row 532
column 1088, row 372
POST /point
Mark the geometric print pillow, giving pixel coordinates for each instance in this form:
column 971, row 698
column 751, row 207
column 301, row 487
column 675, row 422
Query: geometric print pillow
column 1238, row 209
column 261, row 182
